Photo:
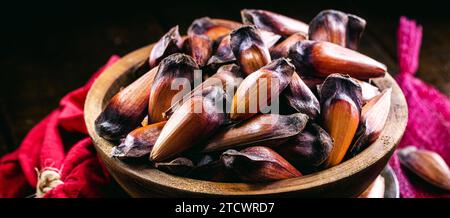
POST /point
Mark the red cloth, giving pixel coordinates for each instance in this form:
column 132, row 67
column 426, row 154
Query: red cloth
column 429, row 113
column 44, row 146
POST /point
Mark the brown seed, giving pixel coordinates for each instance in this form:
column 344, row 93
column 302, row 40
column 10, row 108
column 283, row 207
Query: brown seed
column 260, row 89
column 258, row 164
column 373, row 117
column 199, row 47
column 138, row 142
column 308, row 149
column 180, row 166
column 428, row 165
column 261, row 129
column 228, row 76
column 212, row 28
column 301, row 98
column 170, row 43
column 175, row 68
column 340, row 98
column 355, row 29
column 375, row 190
column 273, row 22
column 198, row 118
column 281, row 50
column 249, row 49
column 337, row 27
column 321, row 59
column 330, row 26
column 126, row 109
column 224, row 55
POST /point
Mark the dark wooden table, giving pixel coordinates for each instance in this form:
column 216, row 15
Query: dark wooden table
column 48, row 50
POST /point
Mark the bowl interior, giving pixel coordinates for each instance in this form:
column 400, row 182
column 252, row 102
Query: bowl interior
column 132, row 65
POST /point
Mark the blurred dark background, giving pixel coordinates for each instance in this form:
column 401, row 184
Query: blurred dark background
column 50, row 48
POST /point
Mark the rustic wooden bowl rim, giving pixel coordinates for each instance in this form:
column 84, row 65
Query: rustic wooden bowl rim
column 96, row 100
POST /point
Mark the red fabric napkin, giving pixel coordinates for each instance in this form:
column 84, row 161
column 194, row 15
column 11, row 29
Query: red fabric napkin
column 429, row 113
column 45, row 147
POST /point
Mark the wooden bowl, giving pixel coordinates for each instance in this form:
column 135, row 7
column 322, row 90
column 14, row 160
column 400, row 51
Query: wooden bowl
column 347, row 179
